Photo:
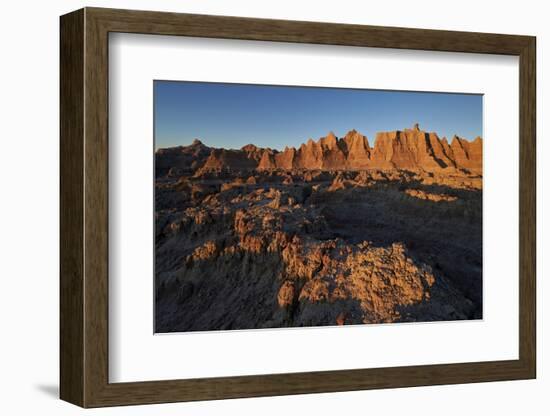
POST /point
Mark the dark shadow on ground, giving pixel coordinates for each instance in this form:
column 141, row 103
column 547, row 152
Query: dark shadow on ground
column 445, row 235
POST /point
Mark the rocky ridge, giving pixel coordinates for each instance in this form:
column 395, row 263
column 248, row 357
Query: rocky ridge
column 401, row 149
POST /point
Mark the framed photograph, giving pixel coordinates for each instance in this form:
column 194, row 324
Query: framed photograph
column 255, row 207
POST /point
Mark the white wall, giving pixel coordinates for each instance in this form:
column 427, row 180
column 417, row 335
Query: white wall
column 29, row 210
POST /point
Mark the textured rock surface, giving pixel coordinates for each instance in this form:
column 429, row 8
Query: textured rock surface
column 240, row 244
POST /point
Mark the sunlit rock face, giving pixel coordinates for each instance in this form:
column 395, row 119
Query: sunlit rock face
column 333, row 232
column 400, row 149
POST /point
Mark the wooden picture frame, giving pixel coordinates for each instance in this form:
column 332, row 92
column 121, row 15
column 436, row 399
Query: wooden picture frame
column 84, row 207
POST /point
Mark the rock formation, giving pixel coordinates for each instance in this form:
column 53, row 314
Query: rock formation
column 400, row 149
column 333, row 232
column 182, row 159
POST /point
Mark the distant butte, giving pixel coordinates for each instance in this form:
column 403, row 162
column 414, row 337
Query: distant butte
column 407, row 149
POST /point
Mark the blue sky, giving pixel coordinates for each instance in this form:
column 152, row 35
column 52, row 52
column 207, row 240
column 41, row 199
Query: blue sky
column 232, row 115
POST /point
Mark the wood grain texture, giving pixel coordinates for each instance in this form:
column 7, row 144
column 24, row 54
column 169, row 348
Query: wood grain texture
column 84, row 204
column 527, row 207
column 96, row 219
column 71, row 213
column 162, row 23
